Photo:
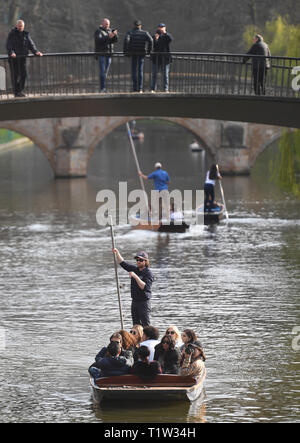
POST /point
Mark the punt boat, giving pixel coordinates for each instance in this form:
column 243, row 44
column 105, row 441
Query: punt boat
column 163, row 387
column 137, row 223
column 212, row 217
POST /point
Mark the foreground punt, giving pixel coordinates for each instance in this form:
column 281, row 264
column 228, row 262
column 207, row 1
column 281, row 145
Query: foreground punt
column 164, row 387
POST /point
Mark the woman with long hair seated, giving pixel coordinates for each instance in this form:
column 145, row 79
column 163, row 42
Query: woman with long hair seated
column 167, row 355
column 188, row 336
column 174, row 332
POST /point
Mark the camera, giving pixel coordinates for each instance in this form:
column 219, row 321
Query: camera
column 189, row 349
column 158, row 31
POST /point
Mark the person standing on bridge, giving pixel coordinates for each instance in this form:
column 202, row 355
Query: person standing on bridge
column 260, row 64
column 18, row 45
column 104, row 44
column 161, row 62
column 137, row 44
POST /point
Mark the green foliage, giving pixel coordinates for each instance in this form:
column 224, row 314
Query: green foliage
column 7, row 136
column 286, row 166
column 282, row 37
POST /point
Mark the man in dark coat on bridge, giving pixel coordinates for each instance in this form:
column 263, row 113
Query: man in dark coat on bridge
column 137, row 44
column 105, row 38
column 161, row 40
column 18, row 45
column 260, row 65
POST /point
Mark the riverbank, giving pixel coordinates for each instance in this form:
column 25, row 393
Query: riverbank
column 15, row 144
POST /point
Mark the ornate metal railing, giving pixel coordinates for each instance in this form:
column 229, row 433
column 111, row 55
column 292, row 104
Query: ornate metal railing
column 190, row 73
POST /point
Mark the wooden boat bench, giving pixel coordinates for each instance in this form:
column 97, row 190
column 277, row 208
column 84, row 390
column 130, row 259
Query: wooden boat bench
column 161, row 380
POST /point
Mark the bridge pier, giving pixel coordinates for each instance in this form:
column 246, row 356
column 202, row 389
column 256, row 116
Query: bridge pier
column 71, row 152
column 233, row 154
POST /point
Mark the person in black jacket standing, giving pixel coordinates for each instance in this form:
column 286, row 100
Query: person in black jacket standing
column 161, row 62
column 18, row 45
column 141, row 283
column 137, row 44
column 260, row 65
column 104, row 44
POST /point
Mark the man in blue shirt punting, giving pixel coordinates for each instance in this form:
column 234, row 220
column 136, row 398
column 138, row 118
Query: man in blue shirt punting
column 160, row 177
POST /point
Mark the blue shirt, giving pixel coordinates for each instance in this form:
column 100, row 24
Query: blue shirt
column 161, row 179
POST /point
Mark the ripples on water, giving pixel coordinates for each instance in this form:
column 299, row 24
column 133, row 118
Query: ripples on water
column 237, row 285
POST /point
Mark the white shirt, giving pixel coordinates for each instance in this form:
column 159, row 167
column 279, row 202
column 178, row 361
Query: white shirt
column 150, row 345
column 209, row 181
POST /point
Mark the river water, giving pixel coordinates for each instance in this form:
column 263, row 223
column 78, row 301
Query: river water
column 237, row 285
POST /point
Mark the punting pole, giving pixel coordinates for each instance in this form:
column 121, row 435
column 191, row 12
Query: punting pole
column 222, row 194
column 223, row 199
column 136, row 160
column 116, row 272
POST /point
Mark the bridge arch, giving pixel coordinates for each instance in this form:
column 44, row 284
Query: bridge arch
column 197, row 127
column 33, row 133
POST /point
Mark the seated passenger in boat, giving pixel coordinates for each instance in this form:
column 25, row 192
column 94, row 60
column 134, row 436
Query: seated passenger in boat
column 129, row 343
column 137, row 331
column 174, row 332
column 167, row 355
column 117, row 337
column 192, row 360
column 175, row 214
column 112, row 364
column 188, row 336
column 143, row 368
column 150, row 339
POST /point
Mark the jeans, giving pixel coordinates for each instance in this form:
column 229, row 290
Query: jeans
column 104, row 65
column 137, row 71
column 140, row 312
column 165, row 69
column 209, row 193
column 95, row 372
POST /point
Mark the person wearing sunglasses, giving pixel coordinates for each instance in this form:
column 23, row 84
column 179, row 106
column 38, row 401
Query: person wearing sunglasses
column 174, row 332
column 138, row 332
column 141, row 284
column 167, row 355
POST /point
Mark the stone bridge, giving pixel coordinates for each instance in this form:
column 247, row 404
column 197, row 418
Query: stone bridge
column 69, row 143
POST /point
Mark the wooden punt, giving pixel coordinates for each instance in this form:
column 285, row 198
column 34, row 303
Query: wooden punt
column 213, row 216
column 163, row 387
column 158, row 227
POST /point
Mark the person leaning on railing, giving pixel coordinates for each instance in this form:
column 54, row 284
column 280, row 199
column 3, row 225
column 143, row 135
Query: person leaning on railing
column 192, row 360
column 18, row 45
column 260, row 65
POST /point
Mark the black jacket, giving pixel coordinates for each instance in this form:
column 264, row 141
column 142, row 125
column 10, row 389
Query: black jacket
column 259, row 48
column 162, row 44
column 169, row 360
column 138, row 42
column 20, row 43
column 146, row 276
column 102, row 41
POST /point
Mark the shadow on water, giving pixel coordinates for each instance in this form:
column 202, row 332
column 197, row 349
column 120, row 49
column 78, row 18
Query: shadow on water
column 152, row 412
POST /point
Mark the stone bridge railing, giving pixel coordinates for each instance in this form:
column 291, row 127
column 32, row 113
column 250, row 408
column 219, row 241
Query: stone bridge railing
column 207, row 74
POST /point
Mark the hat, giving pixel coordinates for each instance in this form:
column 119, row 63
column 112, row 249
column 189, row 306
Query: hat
column 196, row 344
column 137, row 23
column 157, row 165
column 161, row 25
column 142, row 254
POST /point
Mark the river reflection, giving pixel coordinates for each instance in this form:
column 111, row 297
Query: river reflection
column 236, row 284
